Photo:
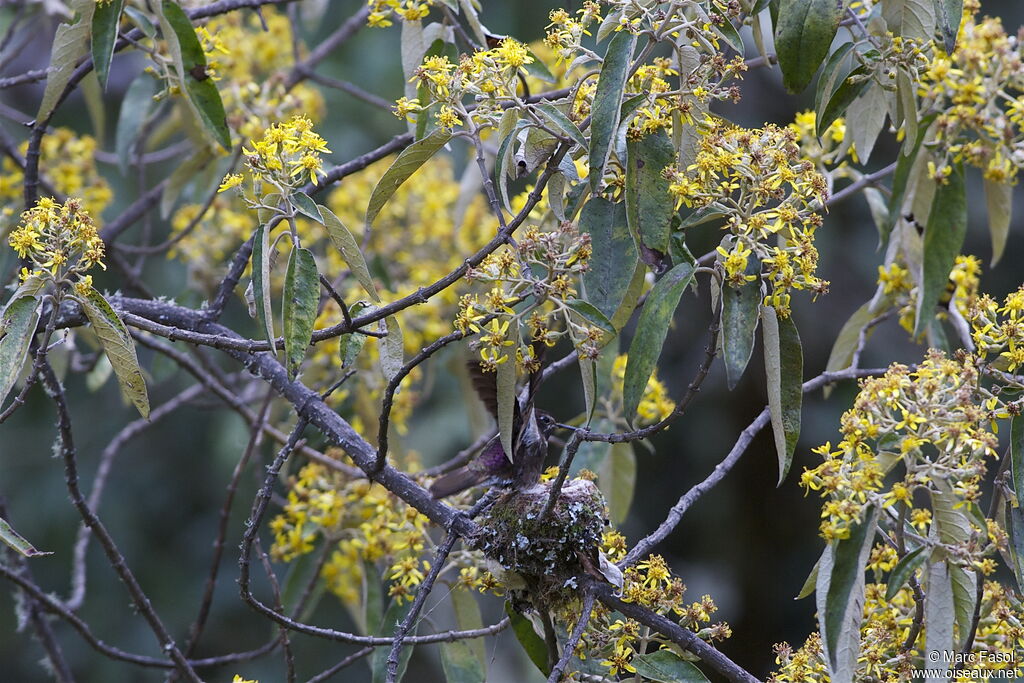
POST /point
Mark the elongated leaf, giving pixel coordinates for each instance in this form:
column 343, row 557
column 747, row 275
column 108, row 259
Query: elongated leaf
column 12, row 539
column 17, row 327
column 261, row 284
column 948, row 14
column 394, row 616
column 666, row 666
column 591, row 314
column 200, row 89
column 105, row 19
column 848, row 338
column 70, row 43
column 832, row 76
column 811, row 582
column 1015, row 530
column 392, row 349
column 903, row 570
column 307, row 207
column 841, row 99
column 939, row 615
column 538, row 69
column 901, row 178
column 652, row 328
column 999, row 201
column 532, row 643
column 943, row 240
column 910, row 18
column 117, row 344
column 844, row 600
column 907, row 92
column 1017, row 456
column 459, row 663
column 563, row 122
column 617, row 480
column 953, row 527
column 649, row 208
column 301, row 296
column 134, row 107
column 784, row 365
column 411, row 158
column 467, row 617
column 729, row 32
column 803, row 34
column 607, row 98
column 869, row 111
column 739, row 325
column 614, row 256
column 350, row 251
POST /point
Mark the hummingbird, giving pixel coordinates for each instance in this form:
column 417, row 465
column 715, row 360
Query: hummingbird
column 531, row 429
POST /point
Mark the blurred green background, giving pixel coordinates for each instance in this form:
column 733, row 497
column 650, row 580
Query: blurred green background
column 748, row 544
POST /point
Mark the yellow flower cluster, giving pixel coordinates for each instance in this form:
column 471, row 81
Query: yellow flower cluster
column 900, row 290
column 363, row 522
column 566, row 32
column 765, row 189
column 59, row 240
column 979, row 92
column 999, row 329
column 933, row 419
column 489, row 76
column 68, row 163
column 827, row 152
column 381, row 11
column 649, row 583
column 887, row 625
column 655, row 404
column 543, row 268
column 283, row 157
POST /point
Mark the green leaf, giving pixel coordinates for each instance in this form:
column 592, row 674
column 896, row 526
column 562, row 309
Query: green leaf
column 17, row 327
column 373, row 598
column 666, row 666
column 301, row 296
column 614, row 257
column 649, row 208
column 729, row 32
column 134, row 108
column 803, row 36
column 105, row 20
column 939, row 612
column 703, row 215
column 848, row 338
column 591, row 314
column 1015, row 529
column 16, row 542
column 999, row 201
column 739, row 325
column 562, row 122
column 467, row 618
column 948, row 14
column 869, row 112
column 350, row 251
column 392, row 349
column 832, row 76
column 907, row 93
column 844, row 597
column 117, row 344
column 190, row 60
column 506, row 391
column 261, row 284
column 943, row 240
column 910, row 18
column 811, row 582
column 616, row 479
column 784, row 365
column 841, row 99
column 652, row 328
column 141, row 21
column 953, row 527
column 306, row 206
column 901, row 178
column 411, row 158
column 607, row 100
column 903, row 570
column 532, row 643
column 538, row 69
column 70, row 43
column 394, row 616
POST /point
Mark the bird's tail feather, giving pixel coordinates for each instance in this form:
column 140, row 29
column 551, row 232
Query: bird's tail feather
column 454, row 482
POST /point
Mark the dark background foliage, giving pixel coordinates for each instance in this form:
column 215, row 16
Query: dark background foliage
column 749, row 544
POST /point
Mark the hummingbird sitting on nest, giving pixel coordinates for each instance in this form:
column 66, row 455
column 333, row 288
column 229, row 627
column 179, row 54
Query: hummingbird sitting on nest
column 531, row 428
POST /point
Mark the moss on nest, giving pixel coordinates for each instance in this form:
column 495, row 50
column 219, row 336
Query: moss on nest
column 546, row 552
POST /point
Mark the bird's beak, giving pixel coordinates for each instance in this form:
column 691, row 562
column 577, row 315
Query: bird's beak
column 565, row 426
